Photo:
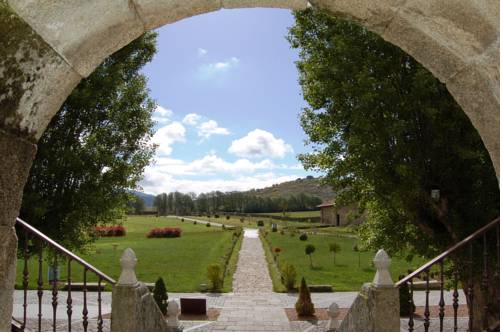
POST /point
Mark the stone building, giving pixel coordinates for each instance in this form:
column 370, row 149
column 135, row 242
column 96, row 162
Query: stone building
column 342, row 216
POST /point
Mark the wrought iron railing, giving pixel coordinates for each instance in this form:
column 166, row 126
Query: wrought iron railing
column 454, row 273
column 41, row 241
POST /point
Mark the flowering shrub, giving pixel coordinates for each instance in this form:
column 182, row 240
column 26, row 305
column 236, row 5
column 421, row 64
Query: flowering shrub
column 166, row 232
column 110, row 231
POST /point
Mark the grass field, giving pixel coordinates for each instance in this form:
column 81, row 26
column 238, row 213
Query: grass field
column 345, row 274
column 181, row 262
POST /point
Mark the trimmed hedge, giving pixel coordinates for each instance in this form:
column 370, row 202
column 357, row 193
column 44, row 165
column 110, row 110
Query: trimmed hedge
column 110, row 231
column 166, row 232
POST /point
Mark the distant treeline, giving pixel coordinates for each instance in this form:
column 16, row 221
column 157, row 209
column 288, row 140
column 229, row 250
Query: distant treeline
column 239, row 202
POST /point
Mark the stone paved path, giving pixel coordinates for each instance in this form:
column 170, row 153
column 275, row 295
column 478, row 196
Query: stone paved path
column 253, row 307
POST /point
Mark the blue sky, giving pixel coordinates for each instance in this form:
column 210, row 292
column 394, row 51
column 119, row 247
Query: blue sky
column 228, row 103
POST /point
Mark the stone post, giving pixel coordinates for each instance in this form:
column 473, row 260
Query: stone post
column 133, row 306
column 16, row 157
column 376, row 308
column 333, row 311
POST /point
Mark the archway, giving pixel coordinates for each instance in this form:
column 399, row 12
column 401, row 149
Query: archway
column 49, row 47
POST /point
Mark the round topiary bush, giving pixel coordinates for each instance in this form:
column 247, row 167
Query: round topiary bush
column 208, row 225
column 303, row 237
column 260, row 223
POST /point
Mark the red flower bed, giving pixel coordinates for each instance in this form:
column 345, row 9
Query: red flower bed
column 110, row 231
column 166, row 232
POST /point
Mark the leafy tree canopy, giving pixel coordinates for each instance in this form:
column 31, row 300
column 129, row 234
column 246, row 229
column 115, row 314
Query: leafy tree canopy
column 94, row 149
column 386, row 132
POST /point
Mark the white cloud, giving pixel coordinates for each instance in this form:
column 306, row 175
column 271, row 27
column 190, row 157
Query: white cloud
column 162, row 115
column 192, row 119
column 260, row 143
column 168, row 135
column 207, row 71
column 209, row 128
column 211, row 164
column 201, row 52
column 156, row 182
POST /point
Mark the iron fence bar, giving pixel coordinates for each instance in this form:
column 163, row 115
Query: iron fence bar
column 441, row 296
column 470, row 289
column 85, row 311
column 69, row 301
column 25, row 281
column 54, row 292
column 100, row 316
column 412, row 311
column 40, row 286
column 427, row 312
column 455, row 299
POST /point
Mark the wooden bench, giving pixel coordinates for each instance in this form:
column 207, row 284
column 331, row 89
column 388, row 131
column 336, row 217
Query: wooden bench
column 79, row 286
column 193, row 306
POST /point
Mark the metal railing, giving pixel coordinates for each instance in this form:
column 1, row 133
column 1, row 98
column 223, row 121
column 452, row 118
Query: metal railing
column 455, row 273
column 59, row 253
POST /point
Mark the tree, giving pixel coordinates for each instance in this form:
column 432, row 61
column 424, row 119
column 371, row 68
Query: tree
column 94, row 150
column 309, row 250
column 386, row 133
column 215, row 276
column 334, row 248
column 304, row 306
column 136, row 204
column 160, row 295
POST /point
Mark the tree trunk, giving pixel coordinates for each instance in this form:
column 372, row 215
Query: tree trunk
column 483, row 303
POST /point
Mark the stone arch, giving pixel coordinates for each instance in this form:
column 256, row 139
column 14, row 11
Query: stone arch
column 47, row 47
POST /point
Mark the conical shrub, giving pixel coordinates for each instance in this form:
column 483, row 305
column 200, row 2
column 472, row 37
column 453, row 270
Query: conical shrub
column 160, row 295
column 304, row 306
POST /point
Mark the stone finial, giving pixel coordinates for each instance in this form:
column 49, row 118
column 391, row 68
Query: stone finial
column 382, row 264
column 128, row 263
column 333, row 312
column 172, row 316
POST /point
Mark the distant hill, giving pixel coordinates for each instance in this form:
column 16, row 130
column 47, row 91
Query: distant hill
column 309, row 185
column 147, row 198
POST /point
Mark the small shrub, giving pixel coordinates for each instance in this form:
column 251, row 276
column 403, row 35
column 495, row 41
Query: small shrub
column 334, row 248
column 110, row 231
column 288, row 276
column 241, row 219
column 228, row 217
column 303, row 237
column 216, row 216
column 274, row 228
column 182, row 219
column 214, row 276
column 208, row 225
column 304, row 306
column 194, row 222
column 260, row 223
column 223, row 226
column 309, row 250
column 282, row 232
column 160, row 295
column 166, row 232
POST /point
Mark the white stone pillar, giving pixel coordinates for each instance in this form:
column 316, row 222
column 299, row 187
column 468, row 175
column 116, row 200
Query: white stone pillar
column 133, row 306
column 333, row 311
column 173, row 310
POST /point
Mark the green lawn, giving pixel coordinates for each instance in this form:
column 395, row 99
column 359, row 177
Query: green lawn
column 345, row 275
column 249, row 221
column 182, row 262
